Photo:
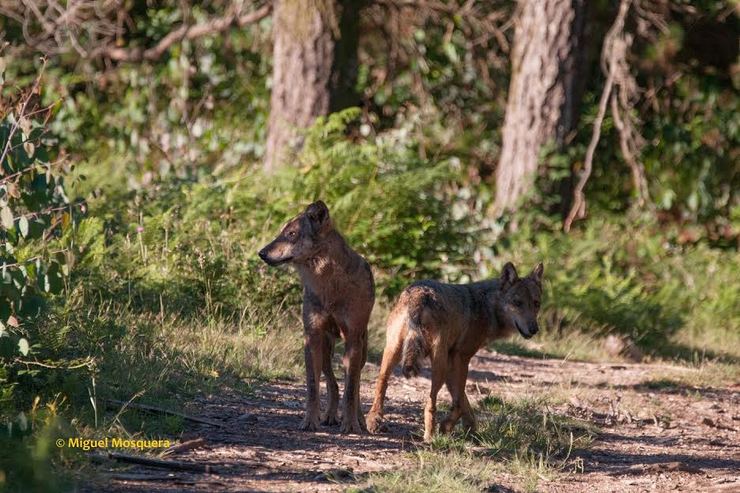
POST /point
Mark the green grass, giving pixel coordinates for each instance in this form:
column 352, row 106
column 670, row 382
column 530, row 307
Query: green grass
column 705, row 374
column 528, row 429
column 523, row 440
column 435, row 473
column 571, row 345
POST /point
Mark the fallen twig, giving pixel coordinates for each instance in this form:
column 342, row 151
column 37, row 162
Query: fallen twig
column 182, row 447
column 146, row 461
column 144, row 477
column 159, row 410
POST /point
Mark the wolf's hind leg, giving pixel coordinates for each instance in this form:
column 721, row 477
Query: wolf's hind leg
column 439, row 369
column 332, row 389
column 351, row 412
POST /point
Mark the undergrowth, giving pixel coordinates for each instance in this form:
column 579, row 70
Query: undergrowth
column 168, row 299
column 523, row 439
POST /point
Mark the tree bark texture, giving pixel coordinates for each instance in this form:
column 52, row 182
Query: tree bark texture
column 544, row 92
column 314, row 69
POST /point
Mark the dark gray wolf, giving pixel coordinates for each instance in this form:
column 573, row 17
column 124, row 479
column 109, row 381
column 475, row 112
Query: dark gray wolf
column 338, row 296
column 449, row 323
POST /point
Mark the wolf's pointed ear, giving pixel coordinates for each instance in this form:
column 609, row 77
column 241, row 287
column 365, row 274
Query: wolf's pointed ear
column 508, row 275
column 537, row 273
column 318, row 213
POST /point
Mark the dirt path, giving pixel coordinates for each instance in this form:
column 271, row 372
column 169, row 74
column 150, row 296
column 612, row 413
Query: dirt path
column 654, row 437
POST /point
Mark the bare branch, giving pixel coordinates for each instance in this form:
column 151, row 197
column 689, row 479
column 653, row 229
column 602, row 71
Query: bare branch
column 629, row 143
column 613, row 43
column 21, row 113
column 212, row 26
column 93, row 28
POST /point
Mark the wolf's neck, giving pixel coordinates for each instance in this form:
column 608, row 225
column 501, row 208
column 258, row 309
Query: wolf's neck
column 489, row 306
column 328, row 260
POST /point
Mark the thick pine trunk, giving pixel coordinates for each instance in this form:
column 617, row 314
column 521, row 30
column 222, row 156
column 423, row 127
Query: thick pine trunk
column 314, row 69
column 543, row 93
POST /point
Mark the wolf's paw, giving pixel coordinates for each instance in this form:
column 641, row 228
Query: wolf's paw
column 351, row 425
column 469, row 425
column 330, row 420
column 309, row 423
column 447, row 425
column 375, row 423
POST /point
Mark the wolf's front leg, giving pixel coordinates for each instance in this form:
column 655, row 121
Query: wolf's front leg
column 312, row 352
column 391, row 357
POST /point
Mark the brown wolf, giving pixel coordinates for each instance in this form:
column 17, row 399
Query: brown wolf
column 338, row 296
column 449, row 323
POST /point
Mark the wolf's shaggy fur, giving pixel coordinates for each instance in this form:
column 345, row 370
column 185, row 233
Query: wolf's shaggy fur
column 449, row 323
column 338, row 296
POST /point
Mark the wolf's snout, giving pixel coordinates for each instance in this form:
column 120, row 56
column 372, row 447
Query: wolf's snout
column 527, row 330
column 533, row 328
column 263, row 255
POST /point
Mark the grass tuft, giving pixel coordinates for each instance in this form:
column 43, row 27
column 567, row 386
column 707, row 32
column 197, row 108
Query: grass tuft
column 522, row 439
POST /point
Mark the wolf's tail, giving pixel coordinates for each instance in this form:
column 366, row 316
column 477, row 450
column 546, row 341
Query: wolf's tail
column 413, row 344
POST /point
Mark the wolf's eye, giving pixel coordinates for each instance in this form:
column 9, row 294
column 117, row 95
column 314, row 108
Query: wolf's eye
column 518, row 303
column 291, row 234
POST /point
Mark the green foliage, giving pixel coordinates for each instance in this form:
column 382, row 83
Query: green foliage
column 702, row 136
column 393, row 207
column 444, row 78
column 167, row 298
column 184, row 253
column 28, row 452
column 635, row 279
column 35, row 217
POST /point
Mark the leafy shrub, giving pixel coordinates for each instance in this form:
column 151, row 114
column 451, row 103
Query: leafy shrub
column 394, row 207
column 634, row 279
column 184, row 253
column 195, row 244
column 28, row 451
column 37, row 220
column 32, row 206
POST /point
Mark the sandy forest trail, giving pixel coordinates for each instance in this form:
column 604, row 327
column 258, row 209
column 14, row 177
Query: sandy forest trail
column 652, row 437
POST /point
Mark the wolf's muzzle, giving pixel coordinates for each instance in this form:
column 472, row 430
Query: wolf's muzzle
column 263, row 255
column 531, row 330
column 271, row 261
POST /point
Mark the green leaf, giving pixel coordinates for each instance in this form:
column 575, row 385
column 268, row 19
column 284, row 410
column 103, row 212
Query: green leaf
column 7, row 346
column 23, row 346
column 23, row 226
column 36, row 228
column 6, row 216
column 54, row 283
column 31, row 305
column 5, row 310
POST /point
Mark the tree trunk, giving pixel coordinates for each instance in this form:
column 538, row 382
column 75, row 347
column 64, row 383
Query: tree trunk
column 544, row 92
column 314, row 69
